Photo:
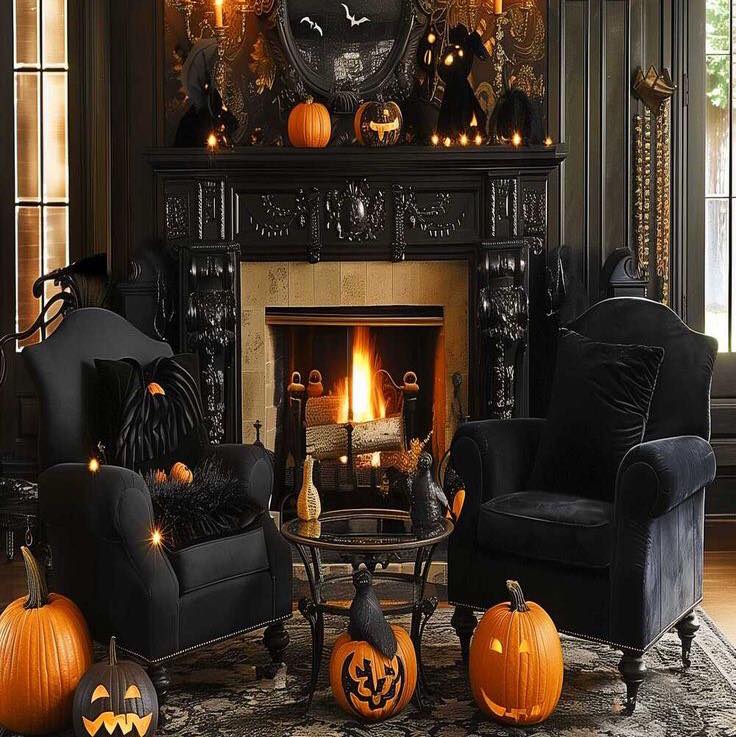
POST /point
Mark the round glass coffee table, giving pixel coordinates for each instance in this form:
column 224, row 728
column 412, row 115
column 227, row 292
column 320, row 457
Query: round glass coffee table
column 374, row 538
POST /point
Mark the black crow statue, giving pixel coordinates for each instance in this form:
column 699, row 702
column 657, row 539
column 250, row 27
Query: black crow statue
column 367, row 621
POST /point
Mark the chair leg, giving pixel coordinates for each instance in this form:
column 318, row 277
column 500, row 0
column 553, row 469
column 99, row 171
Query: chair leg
column 633, row 671
column 161, row 682
column 687, row 627
column 464, row 623
column 276, row 640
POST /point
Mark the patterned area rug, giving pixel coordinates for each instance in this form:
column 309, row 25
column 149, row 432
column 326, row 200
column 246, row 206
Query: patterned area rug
column 215, row 692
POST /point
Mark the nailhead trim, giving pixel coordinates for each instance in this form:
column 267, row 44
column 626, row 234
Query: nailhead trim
column 602, row 641
column 204, row 644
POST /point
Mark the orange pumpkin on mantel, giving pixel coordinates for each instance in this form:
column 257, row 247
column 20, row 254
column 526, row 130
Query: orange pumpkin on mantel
column 45, row 649
column 366, row 683
column 181, row 473
column 516, row 663
column 309, row 125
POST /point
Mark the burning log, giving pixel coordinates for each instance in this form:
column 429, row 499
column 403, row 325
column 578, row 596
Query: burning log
column 331, row 440
column 323, row 411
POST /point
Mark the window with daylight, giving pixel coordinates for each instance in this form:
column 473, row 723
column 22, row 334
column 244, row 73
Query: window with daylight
column 40, row 71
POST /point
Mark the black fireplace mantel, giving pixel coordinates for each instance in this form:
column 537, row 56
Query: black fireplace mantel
column 353, row 202
column 487, row 205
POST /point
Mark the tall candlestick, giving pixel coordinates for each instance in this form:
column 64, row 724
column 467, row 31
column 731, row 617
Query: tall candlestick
column 218, row 14
column 498, row 7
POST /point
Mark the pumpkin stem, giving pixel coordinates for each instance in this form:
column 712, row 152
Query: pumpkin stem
column 38, row 591
column 113, row 652
column 518, row 603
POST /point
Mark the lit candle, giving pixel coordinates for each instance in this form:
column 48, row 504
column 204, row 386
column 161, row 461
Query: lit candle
column 478, row 139
column 212, row 142
column 516, row 139
column 463, row 140
column 218, row 14
column 93, row 465
column 448, row 142
column 156, row 538
column 498, row 7
column 548, row 141
column 435, row 139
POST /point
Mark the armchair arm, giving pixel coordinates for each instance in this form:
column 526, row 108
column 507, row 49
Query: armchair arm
column 493, row 457
column 99, row 527
column 252, row 466
column 655, row 477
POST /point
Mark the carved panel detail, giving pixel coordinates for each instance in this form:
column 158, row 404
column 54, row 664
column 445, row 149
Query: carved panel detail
column 434, row 218
column 503, row 207
column 356, row 212
column 177, row 216
column 280, row 213
column 535, row 212
column 211, row 209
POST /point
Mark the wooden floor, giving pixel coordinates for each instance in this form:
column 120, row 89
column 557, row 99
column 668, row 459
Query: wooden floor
column 719, row 588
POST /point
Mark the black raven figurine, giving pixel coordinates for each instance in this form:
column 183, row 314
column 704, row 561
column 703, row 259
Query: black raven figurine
column 367, row 621
column 429, row 503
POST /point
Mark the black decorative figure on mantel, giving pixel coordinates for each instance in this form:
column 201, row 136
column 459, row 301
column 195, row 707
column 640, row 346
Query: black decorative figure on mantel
column 460, row 109
column 367, row 621
column 429, row 503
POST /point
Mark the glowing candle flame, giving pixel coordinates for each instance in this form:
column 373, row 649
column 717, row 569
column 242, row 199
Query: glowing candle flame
column 156, row 538
column 212, row 141
column 93, row 465
column 516, row 139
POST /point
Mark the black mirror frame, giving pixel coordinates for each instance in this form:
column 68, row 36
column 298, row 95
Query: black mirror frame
column 403, row 49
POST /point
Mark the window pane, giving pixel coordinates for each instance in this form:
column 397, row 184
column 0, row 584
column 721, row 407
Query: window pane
column 28, row 257
column 55, row 247
column 55, row 154
column 716, row 271
column 717, row 119
column 54, row 33
column 717, row 25
column 27, row 136
column 26, row 32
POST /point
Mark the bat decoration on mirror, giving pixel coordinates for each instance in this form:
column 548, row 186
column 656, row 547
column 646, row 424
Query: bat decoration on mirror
column 353, row 20
column 314, row 26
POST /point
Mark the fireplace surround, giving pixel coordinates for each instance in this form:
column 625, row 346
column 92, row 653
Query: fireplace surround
column 462, row 231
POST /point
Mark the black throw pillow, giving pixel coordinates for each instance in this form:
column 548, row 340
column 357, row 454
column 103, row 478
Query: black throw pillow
column 150, row 417
column 601, row 396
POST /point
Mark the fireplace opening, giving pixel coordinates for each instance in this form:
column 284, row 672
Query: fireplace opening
column 353, row 386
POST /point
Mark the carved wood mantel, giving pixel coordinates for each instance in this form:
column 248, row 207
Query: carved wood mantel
column 354, row 203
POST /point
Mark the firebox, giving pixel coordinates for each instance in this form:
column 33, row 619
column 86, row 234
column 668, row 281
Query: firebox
column 353, row 386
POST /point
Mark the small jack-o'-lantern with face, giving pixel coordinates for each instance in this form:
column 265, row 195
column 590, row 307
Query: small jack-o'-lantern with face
column 115, row 698
column 516, row 661
column 368, row 684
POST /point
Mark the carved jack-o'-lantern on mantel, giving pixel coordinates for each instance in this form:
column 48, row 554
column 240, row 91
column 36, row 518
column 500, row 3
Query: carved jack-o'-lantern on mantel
column 115, row 696
column 378, row 123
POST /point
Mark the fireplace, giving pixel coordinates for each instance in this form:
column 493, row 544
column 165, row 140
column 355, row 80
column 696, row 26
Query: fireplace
column 357, row 359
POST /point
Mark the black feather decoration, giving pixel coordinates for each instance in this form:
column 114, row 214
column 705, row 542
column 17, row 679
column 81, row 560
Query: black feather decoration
column 515, row 113
column 367, row 621
column 212, row 505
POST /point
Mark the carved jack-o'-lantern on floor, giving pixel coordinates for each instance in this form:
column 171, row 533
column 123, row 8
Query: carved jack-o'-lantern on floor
column 378, row 123
column 368, row 684
column 115, row 697
column 516, row 661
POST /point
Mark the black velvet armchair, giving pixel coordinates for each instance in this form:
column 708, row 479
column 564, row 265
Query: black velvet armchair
column 624, row 570
column 99, row 526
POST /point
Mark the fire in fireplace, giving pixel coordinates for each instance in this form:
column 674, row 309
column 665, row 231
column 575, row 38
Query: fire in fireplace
column 353, row 388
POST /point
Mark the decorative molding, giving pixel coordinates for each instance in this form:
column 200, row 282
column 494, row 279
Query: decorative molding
column 356, row 212
column 663, row 195
column 211, row 207
column 433, row 219
column 177, row 216
column 503, row 205
column 280, row 217
column 534, row 206
column 503, row 318
column 314, row 208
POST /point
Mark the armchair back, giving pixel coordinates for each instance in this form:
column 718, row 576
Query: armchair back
column 63, row 371
column 681, row 401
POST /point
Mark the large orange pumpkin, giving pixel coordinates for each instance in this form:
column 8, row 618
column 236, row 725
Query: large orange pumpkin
column 309, row 125
column 516, row 661
column 45, row 649
column 368, row 684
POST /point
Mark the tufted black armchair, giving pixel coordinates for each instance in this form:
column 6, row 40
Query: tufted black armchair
column 99, row 526
column 622, row 570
